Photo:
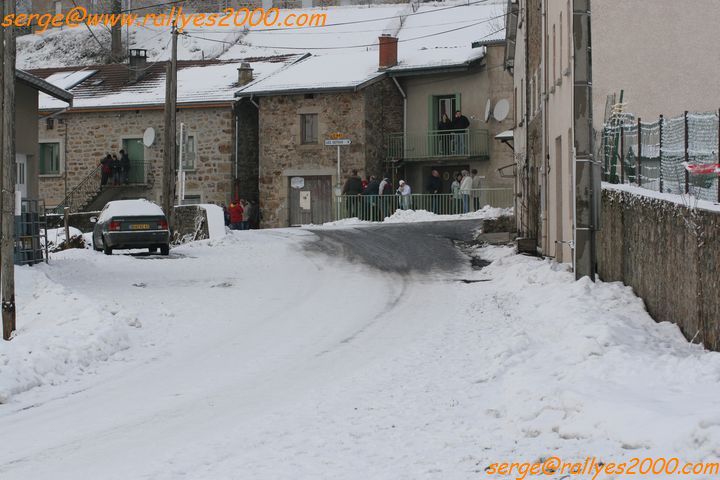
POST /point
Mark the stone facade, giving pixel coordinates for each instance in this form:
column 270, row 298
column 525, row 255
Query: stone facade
column 364, row 117
column 668, row 254
column 85, row 138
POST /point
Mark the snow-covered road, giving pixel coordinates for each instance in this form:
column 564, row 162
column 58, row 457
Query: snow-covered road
column 293, row 354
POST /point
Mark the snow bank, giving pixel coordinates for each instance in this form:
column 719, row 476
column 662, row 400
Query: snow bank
column 55, row 236
column 60, row 332
column 416, row 216
column 216, row 220
column 587, row 368
column 684, row 200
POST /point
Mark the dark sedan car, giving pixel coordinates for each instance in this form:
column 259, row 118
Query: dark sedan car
column 126, row 224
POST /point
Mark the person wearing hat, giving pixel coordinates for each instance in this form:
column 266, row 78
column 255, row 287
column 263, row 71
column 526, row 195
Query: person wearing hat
column 404, row 191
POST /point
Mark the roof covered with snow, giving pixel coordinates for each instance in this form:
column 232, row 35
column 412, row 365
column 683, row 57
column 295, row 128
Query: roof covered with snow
column 110, row 86
column 342, row 54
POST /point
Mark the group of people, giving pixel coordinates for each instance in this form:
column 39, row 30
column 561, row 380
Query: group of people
column 115, row 169
column 240, row 215
column 452, row 138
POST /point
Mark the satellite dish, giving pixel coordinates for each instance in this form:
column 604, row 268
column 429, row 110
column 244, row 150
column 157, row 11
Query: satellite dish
column 149, row 137
column 487, row 110
column 502, row 109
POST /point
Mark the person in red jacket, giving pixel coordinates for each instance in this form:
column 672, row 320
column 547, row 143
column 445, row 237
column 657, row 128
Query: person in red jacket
column 236, row 215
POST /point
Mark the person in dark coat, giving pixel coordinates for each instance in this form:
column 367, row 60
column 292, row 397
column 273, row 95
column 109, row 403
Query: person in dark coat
column 125, row 166
column 116, row 168
column 105, row 169
column 371, row 202
column 460, row 122
column 444, row 136
column 434, row 187
column 352, row 188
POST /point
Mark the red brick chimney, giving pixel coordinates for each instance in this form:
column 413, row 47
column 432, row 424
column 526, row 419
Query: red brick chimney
column 388, row 51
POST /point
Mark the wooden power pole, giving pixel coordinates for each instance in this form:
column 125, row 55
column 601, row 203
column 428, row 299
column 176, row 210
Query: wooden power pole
column 170, row 151
column 7, row 198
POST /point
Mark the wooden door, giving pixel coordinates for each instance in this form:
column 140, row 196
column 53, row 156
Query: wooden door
column 311, row 200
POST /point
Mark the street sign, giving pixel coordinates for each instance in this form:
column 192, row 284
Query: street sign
column 338, row 142
column 336, row 135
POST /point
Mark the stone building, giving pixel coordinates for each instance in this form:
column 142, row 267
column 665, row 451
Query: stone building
column 121, row 106
column 386, row 100
column 300, row 107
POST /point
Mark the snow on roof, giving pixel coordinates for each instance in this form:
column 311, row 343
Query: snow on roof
column 129, row 208
column 442, row 34
column 67, row 80
column 211, row 81
column 344, row 53
column 348, row 28
column 321, row 72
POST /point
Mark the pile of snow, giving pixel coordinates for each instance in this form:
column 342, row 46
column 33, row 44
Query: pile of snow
column 216, row 220
column 55, row 236
column 684, row 200
column 417, row 216
column 60, row 333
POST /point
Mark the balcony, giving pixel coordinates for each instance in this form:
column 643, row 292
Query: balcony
column 434, row 145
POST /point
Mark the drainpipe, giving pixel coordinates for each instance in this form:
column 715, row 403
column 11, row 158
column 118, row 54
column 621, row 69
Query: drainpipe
column 253, row 102
column 402, row 92
column 544, row 234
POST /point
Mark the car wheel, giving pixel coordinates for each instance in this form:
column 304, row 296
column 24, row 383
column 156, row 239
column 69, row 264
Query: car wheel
column 152, row 249
column 106, row 249
column 165, row 249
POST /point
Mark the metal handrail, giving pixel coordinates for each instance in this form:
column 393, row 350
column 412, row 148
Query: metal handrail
column 377, row 207
column 85, row 190
column 439, row 144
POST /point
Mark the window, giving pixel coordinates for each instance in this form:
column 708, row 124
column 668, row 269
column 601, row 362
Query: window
column 50, row 158
column 309, row 128
column 560, row 51
column 58, row 8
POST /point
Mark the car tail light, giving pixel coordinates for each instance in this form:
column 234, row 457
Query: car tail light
column 114, row 226
column 163, row 225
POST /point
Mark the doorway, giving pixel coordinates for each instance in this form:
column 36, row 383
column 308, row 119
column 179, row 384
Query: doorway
column 310, row 199
column 21, row 174
column 136, row 152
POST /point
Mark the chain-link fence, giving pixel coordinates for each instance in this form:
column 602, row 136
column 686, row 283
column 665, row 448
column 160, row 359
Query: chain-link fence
column 655, row 155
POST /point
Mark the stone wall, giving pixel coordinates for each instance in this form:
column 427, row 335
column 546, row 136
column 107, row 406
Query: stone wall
column 360, row 116
column 190, row 224
column 86, row 137
column 669, row 254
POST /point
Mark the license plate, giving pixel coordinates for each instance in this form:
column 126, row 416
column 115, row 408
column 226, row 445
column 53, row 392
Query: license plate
column 140, row 226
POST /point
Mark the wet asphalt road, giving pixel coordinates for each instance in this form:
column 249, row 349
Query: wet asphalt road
column 403, row 248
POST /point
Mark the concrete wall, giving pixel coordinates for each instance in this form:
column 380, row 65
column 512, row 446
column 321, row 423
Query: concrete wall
column 669, row 255
column 90, row 135
column 26, row 133
column 663, row 53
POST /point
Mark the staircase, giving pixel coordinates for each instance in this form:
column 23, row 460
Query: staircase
column 90, row 196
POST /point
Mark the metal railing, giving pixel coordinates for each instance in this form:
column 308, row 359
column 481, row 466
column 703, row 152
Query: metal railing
column 378, row 207
column 439, row 144
column 83, row 193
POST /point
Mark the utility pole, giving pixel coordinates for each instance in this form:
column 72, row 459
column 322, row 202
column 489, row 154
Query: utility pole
column 587, row 170
column 116, row 49
column 169, row 153
column 7, row 197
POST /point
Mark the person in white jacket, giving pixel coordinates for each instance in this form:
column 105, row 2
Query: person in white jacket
column 404, row 191
column 466, row 190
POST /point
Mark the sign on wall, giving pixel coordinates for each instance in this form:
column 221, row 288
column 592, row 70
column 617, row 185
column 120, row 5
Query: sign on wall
column 297, row 182
column 305, row 200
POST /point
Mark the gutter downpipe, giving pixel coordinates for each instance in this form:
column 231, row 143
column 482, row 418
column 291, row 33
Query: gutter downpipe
column 402, row 92
column 544, row 234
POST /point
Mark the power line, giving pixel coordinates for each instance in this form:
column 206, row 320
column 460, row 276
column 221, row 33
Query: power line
column 354, row 22
column 359, row 45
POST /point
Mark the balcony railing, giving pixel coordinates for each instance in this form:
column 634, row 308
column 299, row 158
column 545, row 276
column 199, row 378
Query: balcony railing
column 439, row 144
